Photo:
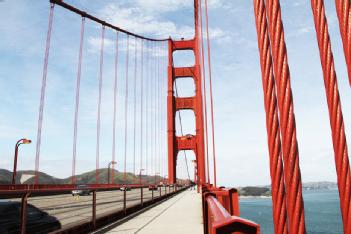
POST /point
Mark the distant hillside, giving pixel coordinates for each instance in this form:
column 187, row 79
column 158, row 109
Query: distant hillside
column 266, row 190
column 85, row 178
column 323, row 185
column 254, row 191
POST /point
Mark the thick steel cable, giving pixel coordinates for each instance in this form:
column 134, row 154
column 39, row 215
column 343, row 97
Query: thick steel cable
column 202, row 55
column 211, row 98
column 335, row 112
column 76, row 110
column 42, row 94
column 99, row 105
column 114, row 109
column 126, row 113
column 343, row 9
column 99, row 21
column 135, row 98
column 272, row 121
column 292, row 175
column 141, row 101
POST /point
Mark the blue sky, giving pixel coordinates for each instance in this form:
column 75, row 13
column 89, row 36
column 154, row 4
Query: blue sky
column 241, row 143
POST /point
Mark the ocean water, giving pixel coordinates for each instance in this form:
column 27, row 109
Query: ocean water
column 322, row 212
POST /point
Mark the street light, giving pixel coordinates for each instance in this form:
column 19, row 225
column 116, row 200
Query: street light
column 140, row 175
column 18, row 143
column 108, row 172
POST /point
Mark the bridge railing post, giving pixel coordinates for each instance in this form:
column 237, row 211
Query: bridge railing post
column 141, row 197
column 125, row 201
column 94, row 209
column 24, row 213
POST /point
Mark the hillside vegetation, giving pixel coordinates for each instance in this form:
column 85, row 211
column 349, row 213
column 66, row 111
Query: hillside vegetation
column 84, row 178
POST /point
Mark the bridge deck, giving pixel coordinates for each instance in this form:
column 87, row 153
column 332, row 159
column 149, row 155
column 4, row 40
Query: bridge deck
column 180, row 214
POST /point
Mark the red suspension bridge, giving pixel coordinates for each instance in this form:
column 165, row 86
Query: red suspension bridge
column 152, row 110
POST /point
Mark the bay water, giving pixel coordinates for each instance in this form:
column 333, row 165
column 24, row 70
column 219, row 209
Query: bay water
column 322, row 212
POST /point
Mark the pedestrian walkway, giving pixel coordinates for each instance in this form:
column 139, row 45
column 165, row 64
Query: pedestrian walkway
column 180, row 214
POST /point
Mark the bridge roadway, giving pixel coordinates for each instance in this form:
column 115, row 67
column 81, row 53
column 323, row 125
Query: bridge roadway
column 180, row 214
column 70, row 209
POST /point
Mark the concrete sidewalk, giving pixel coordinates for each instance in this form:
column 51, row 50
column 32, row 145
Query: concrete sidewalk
column 180, row 214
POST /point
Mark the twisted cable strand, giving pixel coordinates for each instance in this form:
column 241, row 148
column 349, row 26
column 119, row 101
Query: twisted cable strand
column 335, row 112
column 272, row 122
column 343, row 10
column 292, row 173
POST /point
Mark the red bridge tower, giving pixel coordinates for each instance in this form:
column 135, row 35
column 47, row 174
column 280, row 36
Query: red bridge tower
column 174, row 104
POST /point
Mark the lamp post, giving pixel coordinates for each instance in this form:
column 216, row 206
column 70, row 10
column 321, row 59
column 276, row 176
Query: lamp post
column 18, row 143
column 108, row 172
column 140, row 175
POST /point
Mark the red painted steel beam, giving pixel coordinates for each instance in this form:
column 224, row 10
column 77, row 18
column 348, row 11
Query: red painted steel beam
column 292, row 173
column 343, row 9
column 219, row 220
column 335, row 112
column 49, row 188
column 272, row 120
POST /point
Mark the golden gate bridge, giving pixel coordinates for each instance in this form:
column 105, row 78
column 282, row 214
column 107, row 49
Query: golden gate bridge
column 151, row 75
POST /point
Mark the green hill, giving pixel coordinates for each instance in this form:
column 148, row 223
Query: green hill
column 84, row 178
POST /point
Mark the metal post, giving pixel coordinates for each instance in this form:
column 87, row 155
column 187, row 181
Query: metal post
column 160, row 191
column 152, row 195
column 141, row 197
column 94, row 209
column 24, row 213
column 125, row 201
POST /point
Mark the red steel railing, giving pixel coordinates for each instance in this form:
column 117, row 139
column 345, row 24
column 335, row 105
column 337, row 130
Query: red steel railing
column 221, row 212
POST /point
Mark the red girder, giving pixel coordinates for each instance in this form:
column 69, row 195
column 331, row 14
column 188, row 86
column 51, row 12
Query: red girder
column 187, row 103
column 181, row 72
column 183, row 45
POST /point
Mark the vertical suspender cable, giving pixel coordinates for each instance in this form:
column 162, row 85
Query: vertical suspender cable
column 42, row 95
column 114, row 110
column 141, row 102
column 202, row 55
column 159, row 108
column 292, row 175
column 126, row 114
column 134, row 115
column 343, row 9
column 99, row 104
column 211, row 98
column 272, row 121
column 80, row 57
column 335, row 112
column 147, row 139
column 154, row 104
